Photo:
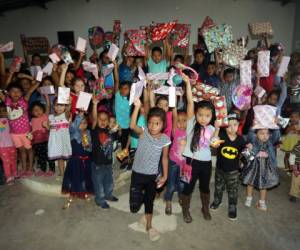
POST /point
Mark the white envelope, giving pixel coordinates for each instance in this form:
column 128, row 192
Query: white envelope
column 7, row 47
column 283, row 67
column 48, row 68
column 47, row 90
column 54, row 58
column 113, row 51
column 172, row 97
column 39, row 76
column 34, row 70
column 81, row 44
column 259, row 91
column 83, row 100
column 63, row 95
column 136, row 91
column 90, row 67
column 106, row 70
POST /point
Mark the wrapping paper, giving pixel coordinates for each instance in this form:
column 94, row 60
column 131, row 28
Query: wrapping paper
column 245, row 72
column 96, row 37
column 7, row 47
column 241, row 97
column 233, row 54
column 258, row 29
column 283, row 67
column 137, row 41
column 160, row 31
column 221, row 109
column 207, row 24
column 218, row 37
column 90, row 67
column 204, row 92
column 263, row 63
column 164, row 90
column 180, row 35
column 99, row 91
column 264, row 117
column 63, row 95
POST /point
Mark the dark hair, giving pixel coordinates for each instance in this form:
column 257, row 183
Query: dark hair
column 274, row 50
column 38, row 104
column 211, row 63
column 124, row 83
column 15, row 85
column 47, row 78
column 274, row 92
column 158, row 112
column 158, row 49
column 198, row 51
column 180, row 57
column 102, row 54
column 198, row 130
column 161, row 98
column 228, row 71
column 2, row 105
column 35, row 55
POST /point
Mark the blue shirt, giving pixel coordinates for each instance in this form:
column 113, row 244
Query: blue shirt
column 109, row 79
column 160, row 67
column 125, row 73
column 122, row 110
column 213, row 80
column 141, row 122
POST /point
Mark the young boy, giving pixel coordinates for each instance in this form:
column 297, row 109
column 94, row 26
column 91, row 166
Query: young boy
column 227, row 86
column 210, row 76
column 102, row 157
column 198, row 63
column 227, row 170
column 295, row 165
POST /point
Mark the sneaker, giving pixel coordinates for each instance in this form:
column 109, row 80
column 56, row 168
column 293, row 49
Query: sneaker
column 215, row 205
column 49, row 173
column 113, row 199
column 232, row 212
column 293, row 199
column 261, row 205
column 39, row 173
column 104, row 205
column 248, row 201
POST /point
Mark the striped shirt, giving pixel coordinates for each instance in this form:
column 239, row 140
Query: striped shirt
column 148, row 153
column 296, row 152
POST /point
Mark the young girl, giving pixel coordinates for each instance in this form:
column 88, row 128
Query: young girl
column 77, row 87
column 197, row 152
column 40, row 137
column 290, row 138
column 261, row 173
column 176, row 159
column 77, row 178
column 7, row 149
column 144, row 178
column 59, row 146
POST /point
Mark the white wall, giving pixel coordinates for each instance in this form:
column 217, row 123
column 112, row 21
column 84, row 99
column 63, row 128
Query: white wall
column 79, row 15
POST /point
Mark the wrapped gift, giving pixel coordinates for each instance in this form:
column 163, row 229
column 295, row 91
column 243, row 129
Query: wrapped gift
column 6, row 47
column 160, row 31
column 265, row 117
column 221, row 109
column 137, row 40
column 96, row 37
column 245, row 72
column 233, row 54
column 204, row 92
column 258, row 29
column 180, row 35
column 241, row 97
column 207, row 24
column 263, row 63
column 219, row 36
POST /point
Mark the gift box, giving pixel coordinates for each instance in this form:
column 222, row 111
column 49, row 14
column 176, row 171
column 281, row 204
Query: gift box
column 233, row 54
column 207, row 24
column 181, row 35
column 245, row 72
column 241, row 97
column 263, row 63
column 137, row 40
column 264, row 117
column 261, row 28
column 219, row 36
column 160, row 31
column 204, row 92
column 221, row 109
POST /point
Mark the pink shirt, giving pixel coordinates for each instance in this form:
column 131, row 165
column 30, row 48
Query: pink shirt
column 177, row 148
column 18, row 116
column 168, row 129
column 39, row 133
column 5, row 138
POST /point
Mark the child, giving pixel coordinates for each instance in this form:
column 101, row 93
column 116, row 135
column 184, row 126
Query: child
column 59, row 146
column 261, row 173
column 210, row 76
column 102, row 157
column 197, row 152
column 291, row 137
column 198, row 63
column 77, row 180
column 144, row 178
column 17, row 107
column 40, row 137
column 8, row 153
column 77, row 87
column 227, row 87
column 295, row 165
column 227, row 167
column 293, row 100
column 176, row 159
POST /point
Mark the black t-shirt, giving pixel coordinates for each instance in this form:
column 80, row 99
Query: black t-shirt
column 229, row 152
column 102, row 142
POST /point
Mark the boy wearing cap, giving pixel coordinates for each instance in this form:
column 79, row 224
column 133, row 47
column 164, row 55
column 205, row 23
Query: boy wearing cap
column 227, row 167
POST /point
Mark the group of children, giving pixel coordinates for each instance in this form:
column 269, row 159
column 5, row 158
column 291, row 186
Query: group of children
column 158, row 141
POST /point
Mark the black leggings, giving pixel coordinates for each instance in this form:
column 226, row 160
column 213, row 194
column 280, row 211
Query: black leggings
column 142, row 191
column 200, row 170
column 41, row 152
column 124, row 137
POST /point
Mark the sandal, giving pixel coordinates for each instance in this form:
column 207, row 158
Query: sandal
column 153, row 234
column 68, row 204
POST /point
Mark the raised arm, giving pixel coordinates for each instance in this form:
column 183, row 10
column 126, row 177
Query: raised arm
column 48, row 105
column 34, row 86
column 116, row 76
column 138, row 130
column 78, row 63
column 146, row 100
column 64, row 68
column 55, row 75
column 189, row 96
column 94, row 112
column 2, row 68
column 151, row 96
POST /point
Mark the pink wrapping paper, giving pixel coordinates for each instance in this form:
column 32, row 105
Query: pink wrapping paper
column 264, row 117
column 221, row 109
column 160, row 31
column 245, row 72
column 263, row 63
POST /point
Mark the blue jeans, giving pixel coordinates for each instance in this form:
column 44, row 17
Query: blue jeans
column 103, row 182
column 173, row 183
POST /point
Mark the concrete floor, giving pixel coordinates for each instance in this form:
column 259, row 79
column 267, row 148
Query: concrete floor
column 85, row 226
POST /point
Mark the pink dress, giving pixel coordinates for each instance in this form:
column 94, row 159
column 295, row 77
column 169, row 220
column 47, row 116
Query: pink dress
column 178, row 145
column 39, row 133
column 168, row 129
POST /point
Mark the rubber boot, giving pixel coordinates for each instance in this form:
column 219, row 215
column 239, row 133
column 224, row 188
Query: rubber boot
column 186, row 200
column 205, row 198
